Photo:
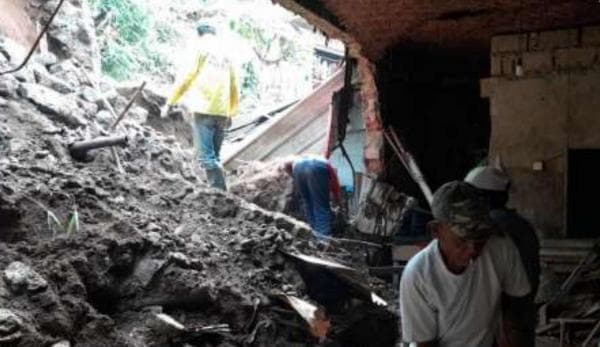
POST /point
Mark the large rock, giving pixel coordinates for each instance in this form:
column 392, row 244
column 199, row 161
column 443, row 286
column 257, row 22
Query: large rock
column 10, row 327
column 46, row 58
column 89, row 108
column 8, row 87
column 63, row 343
column 21, row 277
column 11, row 51
column 72, row 33
column 58, row 107
column 68, row 72
column 47, row 80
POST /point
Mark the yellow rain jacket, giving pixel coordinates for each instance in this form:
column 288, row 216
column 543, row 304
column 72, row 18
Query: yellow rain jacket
column 210, row 87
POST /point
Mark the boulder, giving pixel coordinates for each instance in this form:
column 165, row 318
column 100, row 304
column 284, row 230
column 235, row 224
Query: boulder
column 104, row 118
column 46, row 59
column 67, row 72
column 72, row 33
column 63, row 343
column 47, row 80
column 57, row 107
column 10, row 326
column 21, row 277
column 8, row 87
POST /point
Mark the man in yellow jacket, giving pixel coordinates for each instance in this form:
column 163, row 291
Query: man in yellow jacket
column 210, row 91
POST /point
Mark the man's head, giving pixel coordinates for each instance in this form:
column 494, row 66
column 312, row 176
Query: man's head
column 205, row 29
column 493, row 182
column 461, row 223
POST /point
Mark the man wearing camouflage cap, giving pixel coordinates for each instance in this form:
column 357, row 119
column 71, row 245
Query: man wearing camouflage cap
column 450, row 291
column 494, row 183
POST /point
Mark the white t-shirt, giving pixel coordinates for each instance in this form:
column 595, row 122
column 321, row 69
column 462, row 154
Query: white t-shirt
column 459, row 310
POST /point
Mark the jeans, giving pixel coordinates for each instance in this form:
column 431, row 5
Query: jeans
column 209, row 133
column 311, row 178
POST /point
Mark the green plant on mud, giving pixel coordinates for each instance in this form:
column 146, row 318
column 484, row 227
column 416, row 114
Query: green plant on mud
column 55, row 225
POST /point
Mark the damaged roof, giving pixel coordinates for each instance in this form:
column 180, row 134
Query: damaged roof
column 375, row 25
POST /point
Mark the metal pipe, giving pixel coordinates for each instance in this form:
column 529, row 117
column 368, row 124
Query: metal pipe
column 129, row 104
column 80, row 149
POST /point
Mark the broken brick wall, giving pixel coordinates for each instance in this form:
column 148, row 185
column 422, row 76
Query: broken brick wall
column 543, row 94
column 430, row 96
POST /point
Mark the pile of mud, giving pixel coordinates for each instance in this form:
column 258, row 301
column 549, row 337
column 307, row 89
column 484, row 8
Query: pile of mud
column 268, row 186
column 91, row 256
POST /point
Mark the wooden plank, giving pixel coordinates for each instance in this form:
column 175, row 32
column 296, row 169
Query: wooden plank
column 293, row 129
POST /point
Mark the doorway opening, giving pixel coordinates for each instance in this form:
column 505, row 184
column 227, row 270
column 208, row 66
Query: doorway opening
column 583, row 188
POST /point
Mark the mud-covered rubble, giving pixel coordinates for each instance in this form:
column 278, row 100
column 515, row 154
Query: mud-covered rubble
column 89, row 256
column 268, row 186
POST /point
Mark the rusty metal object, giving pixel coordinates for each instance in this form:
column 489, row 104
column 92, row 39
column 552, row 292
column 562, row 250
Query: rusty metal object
column 37, row 41
column 129, row 104
column 79, row 150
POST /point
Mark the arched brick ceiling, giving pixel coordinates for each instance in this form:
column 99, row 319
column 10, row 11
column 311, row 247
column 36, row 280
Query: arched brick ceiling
column 466, row 24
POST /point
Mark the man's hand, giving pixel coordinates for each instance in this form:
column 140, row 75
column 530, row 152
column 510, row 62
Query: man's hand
column 165, row 110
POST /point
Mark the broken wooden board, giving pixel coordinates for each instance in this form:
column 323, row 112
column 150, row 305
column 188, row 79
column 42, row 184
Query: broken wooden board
column 314, row 316
column 341, row 279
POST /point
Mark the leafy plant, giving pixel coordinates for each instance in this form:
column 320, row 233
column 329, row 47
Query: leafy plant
column 130, row 19
column 264, row 41
column 165, row 32
column 250, row 79
column 128, row 42
column 55, row 225
column 117, row 61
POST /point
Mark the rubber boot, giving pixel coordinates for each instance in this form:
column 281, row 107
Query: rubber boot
column 216, row 178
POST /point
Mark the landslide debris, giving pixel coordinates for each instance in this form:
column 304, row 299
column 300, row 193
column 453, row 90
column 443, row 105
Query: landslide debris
column 90, row 256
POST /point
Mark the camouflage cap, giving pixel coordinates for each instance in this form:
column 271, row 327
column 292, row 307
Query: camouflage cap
column 464, row 207
column 205, row 28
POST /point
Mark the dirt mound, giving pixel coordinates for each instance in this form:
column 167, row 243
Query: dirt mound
column 91, row 256
column 264, row 184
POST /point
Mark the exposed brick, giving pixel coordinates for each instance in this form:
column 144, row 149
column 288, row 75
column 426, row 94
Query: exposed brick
column 534, row 62
column 548, row 40
column 590, row 36
column 575, row 57
column 509, row 43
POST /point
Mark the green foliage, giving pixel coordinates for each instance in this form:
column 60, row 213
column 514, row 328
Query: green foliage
column 250, row 79
column 128, row 17
column 165, row 33
column 264, row 40
column 117, row 61
column 129, row 42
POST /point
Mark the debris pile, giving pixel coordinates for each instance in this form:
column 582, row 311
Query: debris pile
column 147, row 256
column 268, row 186
column 571, row 312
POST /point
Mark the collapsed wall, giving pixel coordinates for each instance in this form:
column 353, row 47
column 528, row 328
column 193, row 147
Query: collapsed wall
column 92, row 254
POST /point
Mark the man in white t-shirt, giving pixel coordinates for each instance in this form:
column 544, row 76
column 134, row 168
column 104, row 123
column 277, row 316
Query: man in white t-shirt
column 450, row 291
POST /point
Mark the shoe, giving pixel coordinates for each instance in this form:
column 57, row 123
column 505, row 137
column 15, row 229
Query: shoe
column 216, row 178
